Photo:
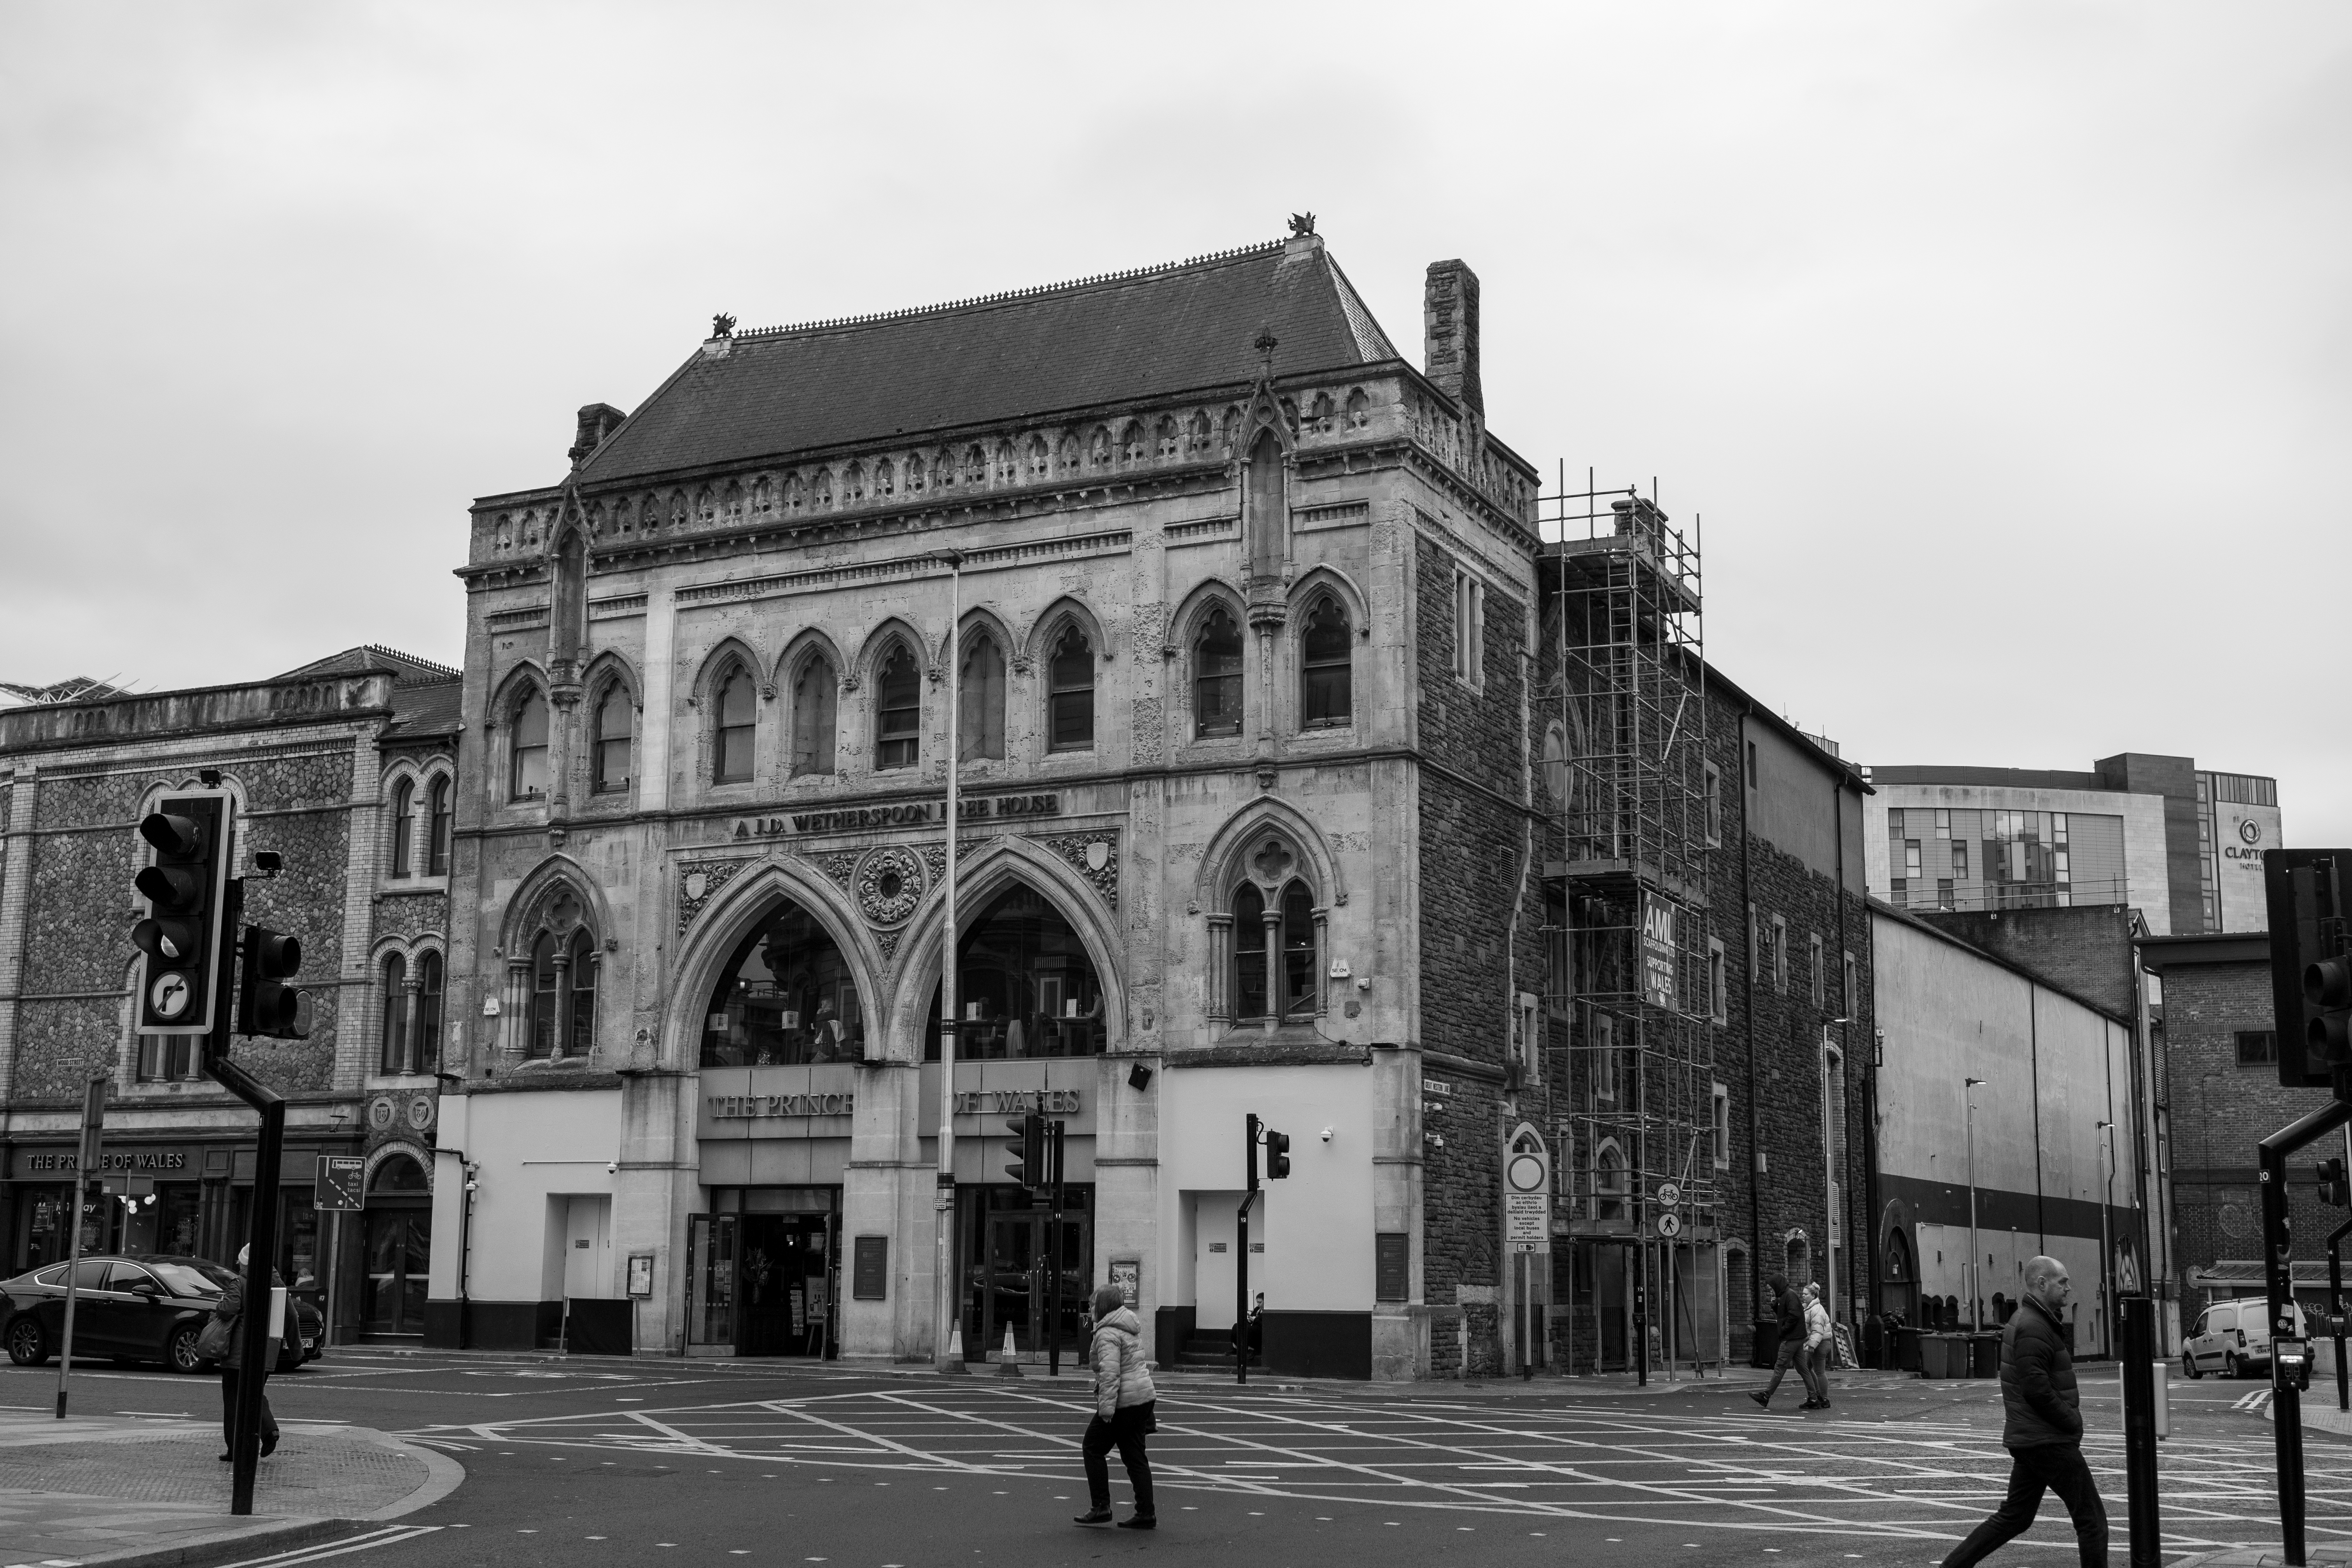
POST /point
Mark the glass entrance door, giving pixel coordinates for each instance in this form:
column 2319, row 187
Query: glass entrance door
column 398, row 1243
column 710, row 1252
column 1009, row 1278
column 786, row 1282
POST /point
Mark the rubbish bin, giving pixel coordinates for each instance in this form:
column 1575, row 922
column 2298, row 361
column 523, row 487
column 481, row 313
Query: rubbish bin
column 1907, row 1350
column 1984, row 1355
column 1767, row 1342
column 1935, row 1354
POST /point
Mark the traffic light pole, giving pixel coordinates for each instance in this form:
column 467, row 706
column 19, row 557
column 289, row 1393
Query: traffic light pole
column 261, row 1243
column 86, row 1168
column 1241, row 1255
column 2286, row 1403
column 2138, row 1347
column 2335, row 1311
column 1054, row 1256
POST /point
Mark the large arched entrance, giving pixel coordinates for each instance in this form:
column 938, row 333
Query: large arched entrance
column 1028, row 992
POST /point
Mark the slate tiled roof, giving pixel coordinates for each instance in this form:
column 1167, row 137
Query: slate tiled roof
column 372, row 655
column 1157, row 333
column 425, row 709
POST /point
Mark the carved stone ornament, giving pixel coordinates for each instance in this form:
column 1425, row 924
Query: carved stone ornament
column 701, row 881
column 1094, row 856
column 889, row 884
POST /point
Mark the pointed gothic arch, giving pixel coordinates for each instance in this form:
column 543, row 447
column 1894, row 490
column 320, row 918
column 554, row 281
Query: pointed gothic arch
column 719, row 929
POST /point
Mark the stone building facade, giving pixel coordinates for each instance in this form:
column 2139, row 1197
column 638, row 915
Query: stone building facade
column 317, row 760
column 1231, row 845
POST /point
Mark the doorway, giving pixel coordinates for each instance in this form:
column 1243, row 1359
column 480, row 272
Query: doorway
column 398, row 1243
column 785, row 1284
column 1011, row 1255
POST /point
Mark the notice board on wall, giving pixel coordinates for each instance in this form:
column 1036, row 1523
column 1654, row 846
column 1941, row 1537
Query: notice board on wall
column 870, row 1270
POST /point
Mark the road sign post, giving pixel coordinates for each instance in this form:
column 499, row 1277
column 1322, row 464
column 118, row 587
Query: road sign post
column 338, row 1186
column 86, row 1166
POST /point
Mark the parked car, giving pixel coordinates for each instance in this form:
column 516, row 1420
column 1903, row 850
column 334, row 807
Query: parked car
column 149, row 1308
column 2233, row 1338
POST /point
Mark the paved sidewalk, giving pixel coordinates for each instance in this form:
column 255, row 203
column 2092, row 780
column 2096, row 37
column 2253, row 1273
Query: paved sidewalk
column 120, row 1491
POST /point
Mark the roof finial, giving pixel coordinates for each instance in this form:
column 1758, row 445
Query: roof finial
column 1265, row 344
column 1302, row 225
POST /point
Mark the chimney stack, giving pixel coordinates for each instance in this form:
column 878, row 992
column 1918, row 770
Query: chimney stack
column 597, row 421
column 1449, row 316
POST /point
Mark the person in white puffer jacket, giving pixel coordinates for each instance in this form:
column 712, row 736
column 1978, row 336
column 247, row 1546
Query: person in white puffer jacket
column 1124, row 1401
column 1818, row 1337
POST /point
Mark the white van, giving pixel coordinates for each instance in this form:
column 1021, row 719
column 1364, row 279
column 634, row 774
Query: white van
column 2233, row 1338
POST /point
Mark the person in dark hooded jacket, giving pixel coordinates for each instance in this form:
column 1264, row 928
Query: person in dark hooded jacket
column 230, row 1309
column 2043, row 1430
column 1124, row 1399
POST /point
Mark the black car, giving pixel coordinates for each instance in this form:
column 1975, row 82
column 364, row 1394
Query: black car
column 150, row 1308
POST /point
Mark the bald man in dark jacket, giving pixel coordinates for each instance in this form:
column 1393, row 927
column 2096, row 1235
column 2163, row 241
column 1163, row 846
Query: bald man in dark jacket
column 2044, row 1432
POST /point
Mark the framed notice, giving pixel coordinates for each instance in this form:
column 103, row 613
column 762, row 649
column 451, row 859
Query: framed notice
column 1127, row 1273
column 869, row 1275
column 641, row 1275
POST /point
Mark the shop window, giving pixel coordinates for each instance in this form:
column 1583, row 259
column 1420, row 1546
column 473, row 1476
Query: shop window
column 436, row 816
column 1024, row 986
column 738, row 723
column 786, row 998
column 897, row 713
column 813, row 717
column 980, row 701
column 1217, row 676
column 392, row 1054
column 403, row 824
column 527, row 762
column 1070, row 678
column 1325, row 674
column 615, row 729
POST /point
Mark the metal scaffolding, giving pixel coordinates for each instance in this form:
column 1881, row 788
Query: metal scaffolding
column 1634, row 986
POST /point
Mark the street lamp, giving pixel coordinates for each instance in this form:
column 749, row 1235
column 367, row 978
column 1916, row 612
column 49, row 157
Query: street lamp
column 947, row 1343
column 2107, row 1249
column 1976, row 1302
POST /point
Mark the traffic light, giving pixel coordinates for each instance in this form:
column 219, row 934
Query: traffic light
column 1277, row 1154
column 2311, row 962
column 2331, row 1183
column 185, row 887
column 265, row 1004
column 1028, row 1163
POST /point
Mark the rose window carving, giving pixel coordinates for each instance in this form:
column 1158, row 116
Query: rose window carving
column 891, row 882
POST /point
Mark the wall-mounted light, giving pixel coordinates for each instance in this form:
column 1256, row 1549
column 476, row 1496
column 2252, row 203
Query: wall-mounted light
column 1138, row 1077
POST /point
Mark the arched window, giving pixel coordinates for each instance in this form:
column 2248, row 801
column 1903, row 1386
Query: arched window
column 1555, row 766
column 399, row 1173
column 428, row 1013
column 899, row 711
column 528, row 769
column 436, row 837
column 580, row 1031
column 812, row 718
column 1217, row 676
column 1610, row 1184
column 543, row 995
column 1070, row 680
column 1297, row 950
column 980, row 696
column 1326, row 673
column 1024, row 986
column 1249, row 952
column 738, row 722
column 394, row 1054
column 788, row 998
column 615, row 724
column 403, row 824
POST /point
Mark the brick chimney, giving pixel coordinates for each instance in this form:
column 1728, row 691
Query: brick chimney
column 597, row 421
column 1449, row 317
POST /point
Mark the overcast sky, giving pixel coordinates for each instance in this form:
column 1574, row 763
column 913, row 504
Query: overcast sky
column 2005, row 349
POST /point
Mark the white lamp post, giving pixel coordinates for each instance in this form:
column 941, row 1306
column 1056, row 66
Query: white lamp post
column 1976, row 1304
column 947, row 1345
column 2107, row 1249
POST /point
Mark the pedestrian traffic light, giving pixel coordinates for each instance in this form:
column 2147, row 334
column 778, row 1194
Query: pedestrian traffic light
column 1027, row 1164
column 179, row 940
column 1277, row 1154
column 2331, row 1183
column 265, row 1004
column 2309, row 897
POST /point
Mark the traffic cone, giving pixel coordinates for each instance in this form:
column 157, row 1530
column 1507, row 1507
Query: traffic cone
column 1006, row 1364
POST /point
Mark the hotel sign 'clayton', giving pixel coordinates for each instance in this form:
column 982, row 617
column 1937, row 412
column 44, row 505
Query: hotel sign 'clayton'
column 909, row 814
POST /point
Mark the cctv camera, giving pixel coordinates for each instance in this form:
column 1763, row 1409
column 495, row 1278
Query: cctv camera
column 1327, row 1135
column 611, row 1166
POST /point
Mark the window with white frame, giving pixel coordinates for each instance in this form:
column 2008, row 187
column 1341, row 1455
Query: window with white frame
column 1719, row 1119
column 1469, row 628
column 1820, row 975
column 1845, row 993
column 1780, row 955
column 1530, row 1059
column 1718, row 990
column 1713, row 805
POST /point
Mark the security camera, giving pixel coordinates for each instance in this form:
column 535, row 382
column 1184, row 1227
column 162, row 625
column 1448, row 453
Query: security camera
column 1327, row 1135
column 612, row 1167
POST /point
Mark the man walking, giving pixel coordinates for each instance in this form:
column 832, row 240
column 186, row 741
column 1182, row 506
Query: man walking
column 1792, row 1315
column 2043, row 1433
column 1124, row 1398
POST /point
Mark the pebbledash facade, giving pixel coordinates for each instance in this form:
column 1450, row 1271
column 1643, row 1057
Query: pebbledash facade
column 1207, row 514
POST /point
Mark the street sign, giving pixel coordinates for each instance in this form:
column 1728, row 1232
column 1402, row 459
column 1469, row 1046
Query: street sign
column 341, row 1184
column 1669, row 1193
column 1527, row 1192
column 1670, row 1223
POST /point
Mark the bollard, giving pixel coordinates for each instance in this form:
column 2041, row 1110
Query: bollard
column 2140, row 1431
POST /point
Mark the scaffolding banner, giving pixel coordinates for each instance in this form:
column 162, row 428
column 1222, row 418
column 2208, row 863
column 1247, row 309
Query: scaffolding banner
column 1658, row 953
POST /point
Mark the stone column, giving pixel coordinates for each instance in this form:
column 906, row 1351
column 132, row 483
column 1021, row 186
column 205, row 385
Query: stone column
column 412, row 1055
column 514, row 1026
column 1216, row 985
column 1276, row 1003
